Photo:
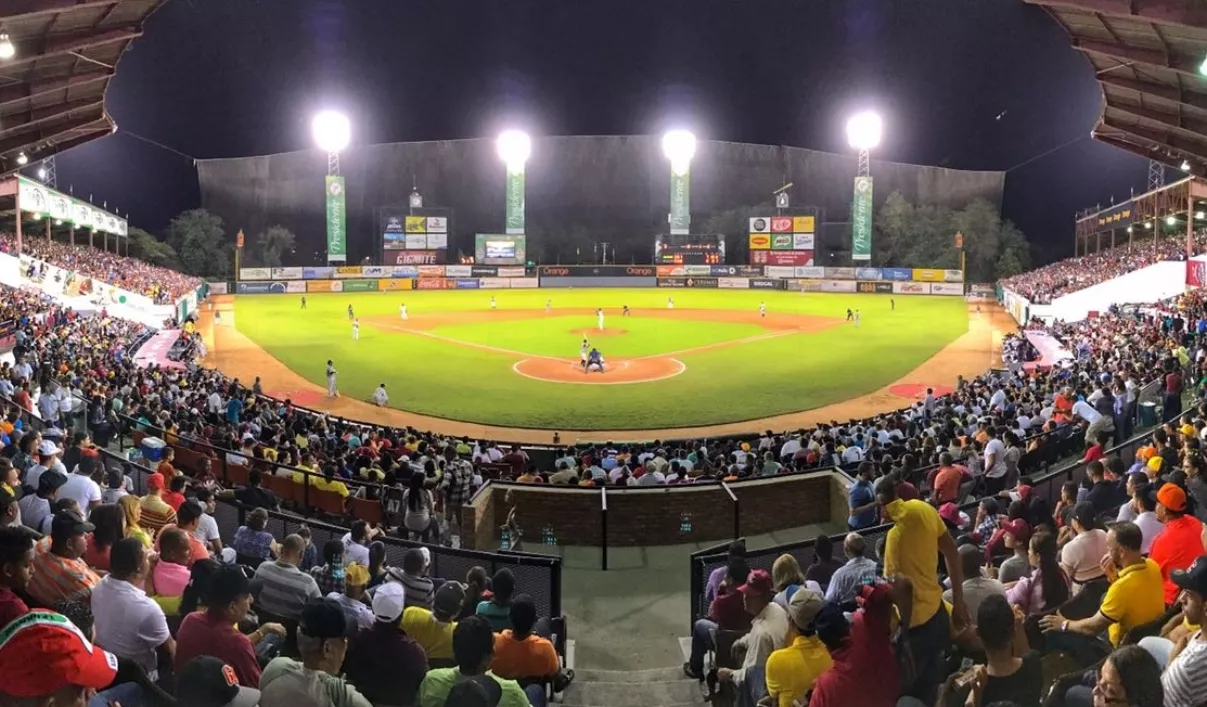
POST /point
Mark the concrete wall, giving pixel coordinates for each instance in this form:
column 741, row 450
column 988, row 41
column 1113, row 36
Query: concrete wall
column 1150, row 284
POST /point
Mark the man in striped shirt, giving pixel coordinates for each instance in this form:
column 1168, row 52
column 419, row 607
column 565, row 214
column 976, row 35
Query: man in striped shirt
column 60, row 574
column 1185, row 678
column 281, row 589
column 156, row 513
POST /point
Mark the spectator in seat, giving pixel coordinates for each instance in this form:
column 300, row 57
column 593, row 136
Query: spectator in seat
column 1134, row 598
column 323, row 633
column 330, row 576
column 1184, row 663
column 1144, row 500
column 947, row 480
column 1178, row 545
column 128, row 622
column 156, row 513
column 737, row 549
column 858, row 570
column 253, row 495
column 171, row 573
column 174, row 496
column 1017, row 534
column 497, row 610
column 16, row 567
column 1103, row 494
column 132, row 509
column 1047, row 586
column 37, row 509
column 434, row 629
column 60, row 574
column 110, row 524
column 787, row 578
column 473, row 649
column 188, row 519
column 212, row 631
column 824, row 565
column 1012, row 673
column 352, row 598
column 384, row 663
column 1081, row 557
column 792, row 671
column 82, row 485
column 977, row 588
column 520, row 653
column 1129, row 676
column 281, row 588
column 208, row 682
column 207, row 526
column 861, row 648
column 252, row 541
column 46, row 661
column 728, row 611
column 356, row 543
column 768, row 633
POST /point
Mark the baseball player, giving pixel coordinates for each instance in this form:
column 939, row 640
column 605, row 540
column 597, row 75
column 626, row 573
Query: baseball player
column 856, row 317
column 492, row 303
column 670, row 303
column 763, row 310
column 582, row 354
column 600, row 316
column 332, row 390
column 625, row 312
column 402, row 311
column 595, row 358
column 351, row 316
column 380, row 397
column 356, row 330
column 303, row 301
column 548, row 305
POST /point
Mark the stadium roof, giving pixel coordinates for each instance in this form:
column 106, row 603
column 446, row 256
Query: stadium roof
column 52, row 93
column 1147, row 56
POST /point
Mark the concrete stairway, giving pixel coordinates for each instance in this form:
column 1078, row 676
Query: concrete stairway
column 656, row 687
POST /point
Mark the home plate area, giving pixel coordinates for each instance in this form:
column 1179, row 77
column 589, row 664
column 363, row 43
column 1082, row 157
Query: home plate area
column 616, row 372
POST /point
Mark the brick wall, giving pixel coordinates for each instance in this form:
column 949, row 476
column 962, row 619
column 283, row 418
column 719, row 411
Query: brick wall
column 650, row 516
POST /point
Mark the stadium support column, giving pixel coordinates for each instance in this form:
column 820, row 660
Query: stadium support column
column 47, row 219
column 17, row 208
column 1190, row 220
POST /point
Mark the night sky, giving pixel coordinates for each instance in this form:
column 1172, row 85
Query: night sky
column 978, row 84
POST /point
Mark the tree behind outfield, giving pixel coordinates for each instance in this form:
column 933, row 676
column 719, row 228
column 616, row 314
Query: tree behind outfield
column 148, row 248
column 270, row 246
column 199, row 239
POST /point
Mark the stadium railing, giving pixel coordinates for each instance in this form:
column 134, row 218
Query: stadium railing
column 1047, row 487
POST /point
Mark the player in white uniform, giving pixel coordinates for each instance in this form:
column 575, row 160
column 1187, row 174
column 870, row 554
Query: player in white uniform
column 599, row 315
column 380, row 397
column 548, row 305
column 856, row 317
column 582, row 354
column 332, row 390
column 670, row 303
column 763, row 309
column 492, row 303
column 402, row 311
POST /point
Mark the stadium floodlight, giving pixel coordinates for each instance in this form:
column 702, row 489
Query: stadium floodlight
column 1170, row 220
column 1200, row 215
column 863, row 130
column 1203, row 67
column 679, row 146
column 21, row 158
column 7, row 50
column 515, row 147
column 1185, row 166
column 1148, row 225
column 42, row 173
column 1129, row 229
column 331, row 130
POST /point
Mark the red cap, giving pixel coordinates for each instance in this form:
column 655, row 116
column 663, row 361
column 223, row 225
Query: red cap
column 155, row 482
column 758, row 583
column 43, row 652
column 1018, row 528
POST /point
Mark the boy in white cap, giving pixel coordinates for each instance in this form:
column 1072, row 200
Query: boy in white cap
column 384, row 663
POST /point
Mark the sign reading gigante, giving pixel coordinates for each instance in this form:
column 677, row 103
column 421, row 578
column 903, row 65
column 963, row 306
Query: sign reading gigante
column 337, row 241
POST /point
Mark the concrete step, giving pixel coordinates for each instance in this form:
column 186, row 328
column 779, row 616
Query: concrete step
column 622, row 694
column 648, row 675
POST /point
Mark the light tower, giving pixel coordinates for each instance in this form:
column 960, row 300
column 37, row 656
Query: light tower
column 863, row 134
column 514, row 147
column 679, row 146
column 332, row 133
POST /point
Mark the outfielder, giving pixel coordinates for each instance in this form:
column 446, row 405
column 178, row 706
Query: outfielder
column 402, row 311
column 332, row 390
column 548, row 305
column 356, row 330
column 763, row 310
column 350, row 315
column 670, row 303
column 303, row 301
column 492, row 303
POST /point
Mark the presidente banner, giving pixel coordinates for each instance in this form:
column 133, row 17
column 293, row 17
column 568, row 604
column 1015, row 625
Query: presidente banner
column 911, row 288
column 255, row 273
column 500, row 249
column 928, row 275
column 413, row 257
column 337, row 238
column 602, row 270
column 783, row 257
column 897, row 274
column 861, row 220
column 680, row 217
column 947, row 288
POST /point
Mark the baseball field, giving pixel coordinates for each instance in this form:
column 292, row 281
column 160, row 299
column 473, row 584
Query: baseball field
column 711, row 359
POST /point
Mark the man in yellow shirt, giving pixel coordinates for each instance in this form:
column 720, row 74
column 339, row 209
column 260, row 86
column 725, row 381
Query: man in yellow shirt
column 917, row 537
column 433, row 630
column 328, row 482
column 1136, row 596
column 792, row 670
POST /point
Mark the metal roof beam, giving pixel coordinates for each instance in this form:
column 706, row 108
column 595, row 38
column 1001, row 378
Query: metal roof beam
column 1177, row 122
column 1152, row 57
column 1169, row 93
column 18, row 92
column 1184, row 147
column 25, row 140
column 49, row 113
column 28, row 51
column 21, row 9
column 10, row 164
column 1169, row 12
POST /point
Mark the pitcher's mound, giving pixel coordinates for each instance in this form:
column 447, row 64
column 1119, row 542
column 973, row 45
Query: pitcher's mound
column 588, row 333
column 637, row 370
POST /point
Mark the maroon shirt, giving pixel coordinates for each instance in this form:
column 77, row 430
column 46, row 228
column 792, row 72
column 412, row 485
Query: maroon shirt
column 1173, row 383
column 204, row 634
column 386, row 665
column 729, row 612
column 11, row 606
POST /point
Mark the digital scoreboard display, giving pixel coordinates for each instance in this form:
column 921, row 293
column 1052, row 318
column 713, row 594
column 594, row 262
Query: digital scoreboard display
column 700, row 253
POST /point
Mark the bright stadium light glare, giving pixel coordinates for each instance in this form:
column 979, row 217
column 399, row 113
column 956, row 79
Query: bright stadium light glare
column 1170, row 220
column 1148, row 225
column 1200, row 215
column 21, row 158
column 1203, row 67
column 1129, row 229
column 7, row 50
column 515, row 147
column 42, row 173
column 1185, row 165
column 679, row 146
column 331, row 130
column 863, row 130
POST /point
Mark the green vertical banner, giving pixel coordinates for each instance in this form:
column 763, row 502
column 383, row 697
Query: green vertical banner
column 515, row 200
column 861, row 220
column 337, row 237
column 680, row 221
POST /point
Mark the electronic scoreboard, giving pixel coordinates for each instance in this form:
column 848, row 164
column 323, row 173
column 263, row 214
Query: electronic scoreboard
column 689, row 250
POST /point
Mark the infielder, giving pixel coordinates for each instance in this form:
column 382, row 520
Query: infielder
column 303, row 301
column 548, row 305
column 625, row 312
column 332, row 390
column 356, row 330
column 670, row 303
column 351, row 316
column 402, row 311
column 600, row 316
column 763, row 310
column 492, row 303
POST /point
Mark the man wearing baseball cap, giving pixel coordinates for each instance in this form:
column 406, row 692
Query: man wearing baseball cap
column 60, row 574
column 861, row 648
column 434, row 629
column 792, row 670
column 323, row 633
column 384, row 663
column 156, row 513
column 1179, row 543
column 206, row 681
column 768, row 633
column 46, row 660
column 1184, row 678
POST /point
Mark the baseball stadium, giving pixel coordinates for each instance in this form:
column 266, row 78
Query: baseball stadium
column 410, row 416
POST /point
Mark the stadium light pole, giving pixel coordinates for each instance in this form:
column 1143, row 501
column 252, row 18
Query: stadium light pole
column 332, row 132
column 863, row 134
column 515, row 147
column 679, row 146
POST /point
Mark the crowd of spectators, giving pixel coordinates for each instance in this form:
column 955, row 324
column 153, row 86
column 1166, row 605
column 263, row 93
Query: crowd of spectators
column 1045, row 284
column 161, row 285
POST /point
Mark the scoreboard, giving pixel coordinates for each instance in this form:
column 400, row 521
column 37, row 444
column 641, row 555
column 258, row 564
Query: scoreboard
column 689, row 250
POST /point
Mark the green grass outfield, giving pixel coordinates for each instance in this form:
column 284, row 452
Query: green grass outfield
column 797, row 371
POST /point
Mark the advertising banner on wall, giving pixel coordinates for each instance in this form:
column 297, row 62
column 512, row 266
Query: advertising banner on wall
column 598, row 282
column 803, row 224
column 840, row 273
column 324, row 273
column 811, row 272
column 897, row 274
column 1196, row 273
column 256, row 288
column 465, row 284
column 672, row 282
column 760, row 224
column 868, row 274
column 430, row 283
column 416, row 241
column 928, row 275
column 680, row 220
column 483, row 271
column 762, row 283
column 781, row 224
column 459, row 271
column 601, row 270
column 868, row 287
column 413, row 257
column 324, row 285
column 781, row 241
column 337, row 239
column 287, row 273
column 735, row 271
column 983, row 289
column 255, row 273
column 696, row 282
column 494, row 283
column 953, row 276
column 431, row 271
column 861, row 220
column 437, row 241
column 295, row 286
column 415, row 224
column 760, row 241
column 218, row 288
column 838, row 285
column 360, row 285
column 348, row 271
column 437, row 224
column 911, row 288
column 500, row 249
column 394, row 240
column 733, row 283
column 524, row 283
column 946, row 288
column 510, row 272
column 783, row 257
column 802, row 241
column 394, row 284
column 407, row 271
column 779, row 271
column 809, row 285
column 376, row 270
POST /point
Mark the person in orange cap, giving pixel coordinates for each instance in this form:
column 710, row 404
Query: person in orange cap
column 1177, row 546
